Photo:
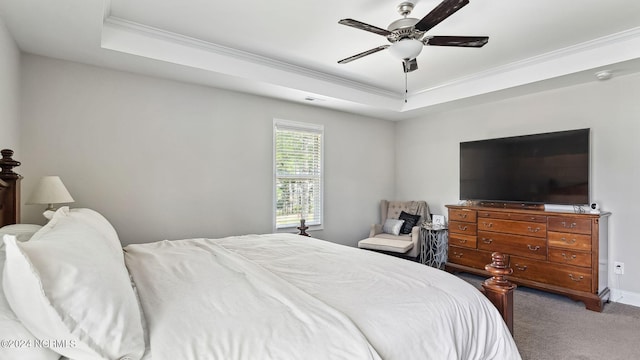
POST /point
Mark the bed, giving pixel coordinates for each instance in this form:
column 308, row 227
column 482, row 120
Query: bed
column 71, row 290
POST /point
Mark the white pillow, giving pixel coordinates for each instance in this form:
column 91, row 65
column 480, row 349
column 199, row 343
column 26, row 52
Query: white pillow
column 68, row 284
column 12, row 329
column 23, row 232
column 95, row 220
column 392, row 226
column 101, row 224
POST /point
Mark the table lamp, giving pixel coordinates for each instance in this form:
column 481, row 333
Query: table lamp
column 50, row 190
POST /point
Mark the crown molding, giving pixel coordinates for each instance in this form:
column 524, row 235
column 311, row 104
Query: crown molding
column 106, row 10
column 221, row 50
column 623, row 36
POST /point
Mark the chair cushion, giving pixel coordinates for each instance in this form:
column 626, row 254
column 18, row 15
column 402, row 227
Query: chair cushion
column 384, row 243
column 395, row 237
column 409, row 222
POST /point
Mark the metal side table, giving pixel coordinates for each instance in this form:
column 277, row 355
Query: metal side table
column 433, row 245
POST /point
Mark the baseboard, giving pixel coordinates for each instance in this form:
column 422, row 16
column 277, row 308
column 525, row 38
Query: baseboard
column 625, row 297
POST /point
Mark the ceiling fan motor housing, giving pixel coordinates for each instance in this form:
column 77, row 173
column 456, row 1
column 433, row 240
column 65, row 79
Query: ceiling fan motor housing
column 404, row 28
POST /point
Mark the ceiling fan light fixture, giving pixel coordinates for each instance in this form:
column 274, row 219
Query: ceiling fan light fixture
column 406, row 49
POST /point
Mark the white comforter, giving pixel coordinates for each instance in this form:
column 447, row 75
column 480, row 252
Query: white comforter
column 284, row 296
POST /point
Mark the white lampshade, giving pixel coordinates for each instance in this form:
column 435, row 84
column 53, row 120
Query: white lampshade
column 406, row 49
column 50, row 190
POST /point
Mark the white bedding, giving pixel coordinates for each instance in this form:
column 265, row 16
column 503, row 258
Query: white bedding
column 284, row 296
column 203, row 302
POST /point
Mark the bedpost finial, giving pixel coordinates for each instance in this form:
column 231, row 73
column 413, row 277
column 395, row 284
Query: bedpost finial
column 499, row 260
column 499, row 268
column 7, row 164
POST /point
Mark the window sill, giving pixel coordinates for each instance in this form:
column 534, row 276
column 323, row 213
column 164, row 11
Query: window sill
column 294, row 229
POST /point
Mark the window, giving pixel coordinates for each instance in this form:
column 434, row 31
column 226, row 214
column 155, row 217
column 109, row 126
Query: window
column 298, row 169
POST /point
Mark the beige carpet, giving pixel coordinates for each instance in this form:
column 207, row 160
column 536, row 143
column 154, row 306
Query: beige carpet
column 554, row 327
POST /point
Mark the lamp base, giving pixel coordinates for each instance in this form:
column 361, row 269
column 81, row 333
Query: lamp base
column 303, row 228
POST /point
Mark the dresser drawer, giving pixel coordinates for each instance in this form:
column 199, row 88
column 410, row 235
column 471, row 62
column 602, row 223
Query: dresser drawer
column 469, row 257
column 462, row 228
column 569, row 224
column 569, row 241
column 462, row 215
column 463, row 240
column 513, row 227
column 570, row 277
column 512, row 216
column 570, row 257
column 527, row 246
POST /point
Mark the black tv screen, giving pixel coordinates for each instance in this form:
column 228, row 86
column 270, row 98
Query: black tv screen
column 549, row 168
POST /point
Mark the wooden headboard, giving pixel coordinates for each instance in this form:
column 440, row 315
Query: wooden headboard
column 9, row 189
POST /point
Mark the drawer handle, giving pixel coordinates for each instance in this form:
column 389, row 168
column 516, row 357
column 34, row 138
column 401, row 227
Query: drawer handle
column 521, row 268
column 532, row 218
column 464, row 216
column 487, row 224
column 487, row 241
column 571, row 226
column 457, row 254
column 533, row 230
column 569, row 258
column 533, row 248
column 574, row 279
column 570, row 241
column 463, row 228
column 462, row 241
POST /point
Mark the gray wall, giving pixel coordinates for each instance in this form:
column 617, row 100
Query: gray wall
column 610, row 108
column 9, row 91
column 164, row 160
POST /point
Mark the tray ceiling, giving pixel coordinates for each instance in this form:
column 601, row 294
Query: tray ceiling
column 289, row 49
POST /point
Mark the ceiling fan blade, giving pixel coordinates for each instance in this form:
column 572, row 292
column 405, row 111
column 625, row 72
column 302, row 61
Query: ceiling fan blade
column 410, row 65
column 464, row 41
column 362, row 26
column 363, row 54
column 441, row 12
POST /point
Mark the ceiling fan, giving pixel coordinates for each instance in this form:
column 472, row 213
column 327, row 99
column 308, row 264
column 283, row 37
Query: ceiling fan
column 408, row 35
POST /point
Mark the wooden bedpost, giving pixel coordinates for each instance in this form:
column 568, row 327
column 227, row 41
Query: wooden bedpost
column 9, row 189
column 498, row 289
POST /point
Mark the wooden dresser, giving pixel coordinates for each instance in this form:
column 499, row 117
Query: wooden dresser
column 564, row 253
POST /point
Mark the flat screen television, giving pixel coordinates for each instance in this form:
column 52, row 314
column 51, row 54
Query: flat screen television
column 549, row 168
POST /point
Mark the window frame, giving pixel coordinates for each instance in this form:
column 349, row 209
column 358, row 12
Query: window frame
column 301, row 126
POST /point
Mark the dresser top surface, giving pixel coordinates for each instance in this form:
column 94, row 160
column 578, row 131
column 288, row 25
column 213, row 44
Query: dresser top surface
column 528, row 211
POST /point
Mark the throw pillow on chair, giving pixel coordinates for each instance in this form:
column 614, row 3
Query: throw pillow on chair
column 409, row 222
column 392, row 226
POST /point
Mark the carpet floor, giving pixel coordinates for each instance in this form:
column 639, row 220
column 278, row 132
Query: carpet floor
column 554, row 327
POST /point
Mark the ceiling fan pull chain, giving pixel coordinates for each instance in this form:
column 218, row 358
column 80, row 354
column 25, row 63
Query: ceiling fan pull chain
column 406, row 91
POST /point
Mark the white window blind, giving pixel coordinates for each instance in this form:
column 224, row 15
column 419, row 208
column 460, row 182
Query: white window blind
column 298, row 173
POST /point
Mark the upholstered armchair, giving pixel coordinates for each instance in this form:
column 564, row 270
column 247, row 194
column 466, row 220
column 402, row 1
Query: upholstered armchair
column 386, row 240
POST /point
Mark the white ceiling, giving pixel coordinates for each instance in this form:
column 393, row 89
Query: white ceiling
column 289, row 49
